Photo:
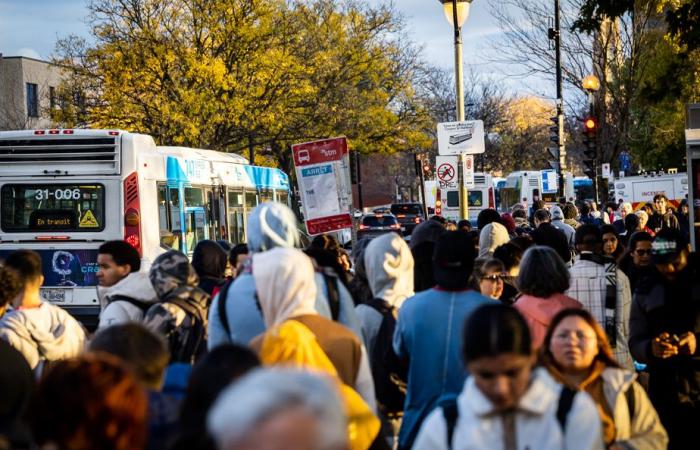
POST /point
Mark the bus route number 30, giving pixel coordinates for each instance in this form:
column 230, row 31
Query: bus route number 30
column 57, row 194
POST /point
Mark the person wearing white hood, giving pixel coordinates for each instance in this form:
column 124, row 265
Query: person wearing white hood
column 124, row 292
column 42, row 332
column 491, row 237
column 237, row 319
column 389, row 267
column 287, row 291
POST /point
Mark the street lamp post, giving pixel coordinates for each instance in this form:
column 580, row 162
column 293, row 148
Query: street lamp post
column 456, row 12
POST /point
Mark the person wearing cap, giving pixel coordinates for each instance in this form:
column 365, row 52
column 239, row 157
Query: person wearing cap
column 429, row 332
column 664, row 327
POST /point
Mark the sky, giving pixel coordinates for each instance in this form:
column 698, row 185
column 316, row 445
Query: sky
column 31, row 28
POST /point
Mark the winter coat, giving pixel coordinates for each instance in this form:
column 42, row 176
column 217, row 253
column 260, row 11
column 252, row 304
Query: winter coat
column 428, row 334
column 16, row 390
column 175, row 281
column 209, row 261
column 644, row 431
column 538, row 312
column 287, row 290
column 136, row 286
column 548, row 235
column 44, row 333
column 536, row 424
column 270, row 225
column 389, row 267
column 559, row 223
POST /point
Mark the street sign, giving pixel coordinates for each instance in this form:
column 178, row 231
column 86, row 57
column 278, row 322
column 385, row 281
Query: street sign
column 323, row 176
column 605, row 170
column 550, row 181
column 469, row 171
column 446, row 171
column 461, row 137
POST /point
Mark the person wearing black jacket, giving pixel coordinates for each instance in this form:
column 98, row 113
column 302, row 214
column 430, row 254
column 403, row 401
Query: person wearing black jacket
column 664, row 328
column 209, row 260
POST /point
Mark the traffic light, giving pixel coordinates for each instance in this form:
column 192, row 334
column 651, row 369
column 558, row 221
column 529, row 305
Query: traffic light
column 554, row 130
column 426, row 168
column 418, row 165
column 590, row 152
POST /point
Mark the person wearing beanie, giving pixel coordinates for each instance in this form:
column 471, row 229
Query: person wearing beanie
column 508, row 222
column 429, row 330
column 491, row 237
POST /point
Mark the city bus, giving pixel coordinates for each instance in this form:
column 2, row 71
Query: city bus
column 64, row 192
column 525, row 186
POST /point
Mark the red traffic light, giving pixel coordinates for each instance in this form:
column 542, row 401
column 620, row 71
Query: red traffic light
column 589, row 124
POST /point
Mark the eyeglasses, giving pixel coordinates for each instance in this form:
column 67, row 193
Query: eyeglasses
column 565, row 336
column 494, row 277
column 642, row 252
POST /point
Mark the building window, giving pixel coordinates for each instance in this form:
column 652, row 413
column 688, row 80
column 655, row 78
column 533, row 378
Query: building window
column 52, row 98
column 32, row 100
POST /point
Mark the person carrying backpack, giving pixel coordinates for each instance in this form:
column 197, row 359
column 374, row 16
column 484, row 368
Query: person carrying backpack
column 389, row 266
column 181, row 314
column 125, row 293
column 429, row 329
column 507, row 402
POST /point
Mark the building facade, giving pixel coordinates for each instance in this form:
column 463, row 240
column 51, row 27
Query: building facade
column 28, row 89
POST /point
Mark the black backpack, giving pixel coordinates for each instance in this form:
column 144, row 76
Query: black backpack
column 388, row 371
column 188, row 341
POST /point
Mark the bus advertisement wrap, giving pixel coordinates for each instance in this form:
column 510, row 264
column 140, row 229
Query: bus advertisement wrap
column 66, row 268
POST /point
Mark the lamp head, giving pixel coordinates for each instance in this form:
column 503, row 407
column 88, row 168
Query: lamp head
column 590, row 83
column 462, row 11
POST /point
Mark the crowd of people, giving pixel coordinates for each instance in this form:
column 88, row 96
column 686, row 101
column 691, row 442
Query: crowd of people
column 542, row 328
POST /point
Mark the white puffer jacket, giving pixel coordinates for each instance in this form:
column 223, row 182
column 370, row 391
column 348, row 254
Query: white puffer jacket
column 136, row 286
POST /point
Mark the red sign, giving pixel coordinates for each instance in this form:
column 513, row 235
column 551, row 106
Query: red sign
column 326, row 224
column 319, row 151
column 446, row 172
column 323, row 178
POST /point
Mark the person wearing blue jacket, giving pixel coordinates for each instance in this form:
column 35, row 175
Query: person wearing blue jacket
column 429, row 333
column 270, row 225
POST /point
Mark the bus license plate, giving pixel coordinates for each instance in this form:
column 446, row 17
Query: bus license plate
column 54, row 295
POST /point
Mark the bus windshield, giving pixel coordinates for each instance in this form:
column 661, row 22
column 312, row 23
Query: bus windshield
column 52, row 207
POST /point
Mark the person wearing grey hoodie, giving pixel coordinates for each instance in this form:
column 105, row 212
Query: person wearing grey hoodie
column 389, row 267
column 270, row 225
column 559, row 224
column 491, row 237
column 40, row 331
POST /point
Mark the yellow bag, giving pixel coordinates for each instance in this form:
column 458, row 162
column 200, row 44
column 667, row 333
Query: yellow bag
column 292, row 344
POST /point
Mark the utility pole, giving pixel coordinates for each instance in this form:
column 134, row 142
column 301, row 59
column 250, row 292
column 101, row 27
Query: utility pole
column 555, row 34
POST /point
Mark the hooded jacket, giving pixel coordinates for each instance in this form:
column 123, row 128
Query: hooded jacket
column 44, row 333
column 490, row 238
column 287, row 291
column 538, row 313
column 536, row 424
column 136, row 286
column 559, row 224
column 270, row 225
column 174, row 280
column 389, row 268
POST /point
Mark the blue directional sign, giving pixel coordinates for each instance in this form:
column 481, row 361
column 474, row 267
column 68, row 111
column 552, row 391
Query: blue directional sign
column 550, row 181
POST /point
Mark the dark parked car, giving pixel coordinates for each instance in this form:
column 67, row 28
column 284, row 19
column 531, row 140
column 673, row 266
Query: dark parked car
column 409, row 215
column 372, row 225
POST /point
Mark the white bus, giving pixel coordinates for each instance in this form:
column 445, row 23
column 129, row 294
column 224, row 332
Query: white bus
column 479, row 197
column 65, row 192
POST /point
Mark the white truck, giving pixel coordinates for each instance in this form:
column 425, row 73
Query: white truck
column 641, row 189
column 480, row 197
